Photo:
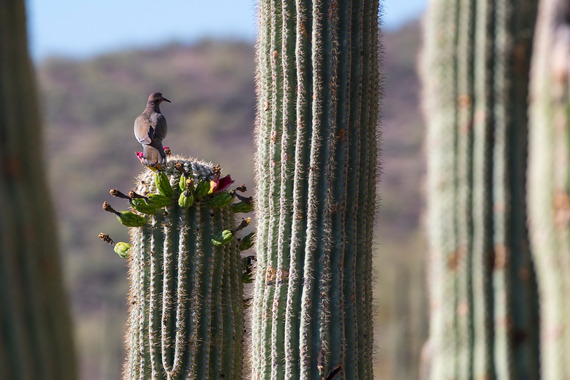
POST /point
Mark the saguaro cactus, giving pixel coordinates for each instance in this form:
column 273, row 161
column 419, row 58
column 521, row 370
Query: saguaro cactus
column 483, row 292
column 318, row 94
column 35, row 329
column 186, row 302
column 549, row 185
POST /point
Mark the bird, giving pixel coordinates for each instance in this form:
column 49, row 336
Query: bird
column 150, row 130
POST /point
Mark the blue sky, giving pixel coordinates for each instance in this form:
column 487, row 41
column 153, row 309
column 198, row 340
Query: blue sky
column 82, row 28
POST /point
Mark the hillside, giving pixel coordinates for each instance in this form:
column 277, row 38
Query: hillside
column 89, row 107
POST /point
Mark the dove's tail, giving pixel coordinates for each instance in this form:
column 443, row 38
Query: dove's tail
column 153, row 157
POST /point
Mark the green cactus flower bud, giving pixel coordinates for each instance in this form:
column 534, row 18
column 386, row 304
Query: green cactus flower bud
column 186, row 199
column 130, row 219
column 242, row 207
column 223, row 237
column 202, row 189
column 141, row 206
column 163, row 184
column 247, row 241
column 182, row 182
column 158, row 200
column 221, row 200
column 123, row 249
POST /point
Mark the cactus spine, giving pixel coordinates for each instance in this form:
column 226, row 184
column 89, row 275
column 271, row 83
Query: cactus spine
column 483, row 292
column 35, row 330
column 318, row 91
column 549, row 185
column 186, row 292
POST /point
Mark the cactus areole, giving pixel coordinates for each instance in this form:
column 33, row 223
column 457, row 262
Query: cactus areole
column 316, row 139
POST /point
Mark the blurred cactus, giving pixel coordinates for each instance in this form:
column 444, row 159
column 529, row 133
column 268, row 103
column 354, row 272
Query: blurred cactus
column 186, row 291
column 35, row 330
column 318, row 96
column 549, row 185
column 484, row 311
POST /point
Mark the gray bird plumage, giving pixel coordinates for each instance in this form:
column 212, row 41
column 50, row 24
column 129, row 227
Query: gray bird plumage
column 150, row 130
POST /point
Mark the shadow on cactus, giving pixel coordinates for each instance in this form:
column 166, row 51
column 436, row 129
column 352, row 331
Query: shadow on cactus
column 186, row 273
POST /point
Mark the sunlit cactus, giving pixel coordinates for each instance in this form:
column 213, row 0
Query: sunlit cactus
column 185, row 271
column 549, row 182
column 484, row 307
column 318, row 98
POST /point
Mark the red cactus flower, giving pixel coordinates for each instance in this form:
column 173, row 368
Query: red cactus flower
column 219, row 184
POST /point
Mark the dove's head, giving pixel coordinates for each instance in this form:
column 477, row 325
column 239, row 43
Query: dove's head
column 156, row 98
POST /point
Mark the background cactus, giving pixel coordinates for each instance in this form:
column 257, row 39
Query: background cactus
column 35, row 330
column 549, row 185
column 484, row 310
column 318, row 96
column 186, row 302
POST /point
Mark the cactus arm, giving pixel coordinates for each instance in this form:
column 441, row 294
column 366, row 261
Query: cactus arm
column 309, row 251
column 481, row 301
column 549, row 186
column 35, row 330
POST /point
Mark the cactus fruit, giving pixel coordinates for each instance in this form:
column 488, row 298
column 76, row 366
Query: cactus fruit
column 484, row 310
column 185, row 272
column 549, row 182
column 318, row 97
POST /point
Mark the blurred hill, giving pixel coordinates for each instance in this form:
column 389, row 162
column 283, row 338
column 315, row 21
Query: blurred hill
column 89, row 108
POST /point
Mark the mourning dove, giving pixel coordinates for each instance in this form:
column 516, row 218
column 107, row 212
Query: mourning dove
column 150, row 130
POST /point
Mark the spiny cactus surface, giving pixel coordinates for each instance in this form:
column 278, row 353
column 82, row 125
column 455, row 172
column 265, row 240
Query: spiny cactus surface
column 549, row 185
column 185, row 272
column 318, row 94
column 475, row 69
column 35, row 328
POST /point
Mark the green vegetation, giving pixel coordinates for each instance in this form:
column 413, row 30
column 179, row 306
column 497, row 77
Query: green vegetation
column 316, row 133
column 35, row 329
column 89, row 108
column 185, row 275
